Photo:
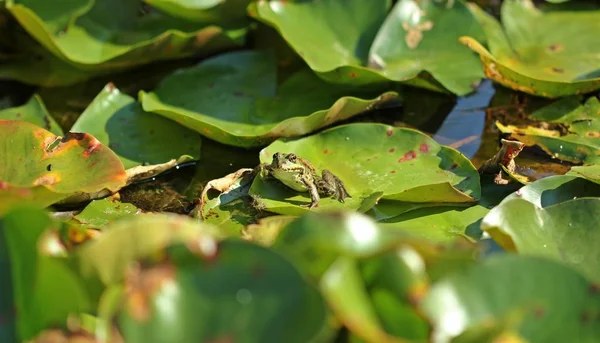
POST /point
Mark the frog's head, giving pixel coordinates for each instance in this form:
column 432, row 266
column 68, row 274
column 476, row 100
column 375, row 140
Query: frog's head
column 286, row 162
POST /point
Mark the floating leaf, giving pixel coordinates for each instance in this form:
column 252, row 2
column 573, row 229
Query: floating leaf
column 35, row 65
column 591, row 173
column 566, row 231
column 46, row 288
column 137, row 137
column 439, row 224
column 373, row 161
column 534, row 52
column 348, row 42
column 130, row 239
column 244, row 284
column 33, row 112
column 573, row 132
column 38, row 166
column 95, row 35
column 525, row 294
column 234, row 99
column 233, row 11
column 100, row 213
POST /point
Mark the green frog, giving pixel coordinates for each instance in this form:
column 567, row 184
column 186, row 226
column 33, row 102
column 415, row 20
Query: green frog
column 299, row 175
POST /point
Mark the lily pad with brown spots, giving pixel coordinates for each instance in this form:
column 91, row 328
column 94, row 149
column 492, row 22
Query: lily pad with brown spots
column 567, row 130
column 40, row 167
column 550, row 54
column 357, row 42
column 373, row 161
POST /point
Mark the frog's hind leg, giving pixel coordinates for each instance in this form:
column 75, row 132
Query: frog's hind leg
column 331, row 185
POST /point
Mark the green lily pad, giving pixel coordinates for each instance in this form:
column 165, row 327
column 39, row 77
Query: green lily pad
column 575, row 135
column 439, row 224
column 234, row 99
column 40, row 167
column 371, row 277
column 46, row 287
column 137, row 137
column 100, row 213
column 35, row 65
column 238, row 295
column 233, row 11
column 591, row 173
column 534, row 52
column 348, row 42
column 556, row 189
column 33, row 112
column 566, row 232
column 374, row 161
column 524, row 293
column 111, row 34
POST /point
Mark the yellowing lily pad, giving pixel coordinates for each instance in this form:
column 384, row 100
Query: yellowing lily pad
column 234, row 99
column 113, row 34
column 551, row 54
column 573, row 132
column 37, row 166
column 374, row 161
column 137, row 137
column 358, row 42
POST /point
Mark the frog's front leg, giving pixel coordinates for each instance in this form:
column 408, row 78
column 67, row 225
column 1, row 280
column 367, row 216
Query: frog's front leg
column 331, row 185
column 314, row 192
column 262, row 170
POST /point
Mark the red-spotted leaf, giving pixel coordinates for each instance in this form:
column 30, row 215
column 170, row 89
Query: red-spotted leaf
column 38, row 166
column 373, row 161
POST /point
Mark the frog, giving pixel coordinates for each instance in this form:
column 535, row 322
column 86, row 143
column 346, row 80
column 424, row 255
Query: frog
column 504, row 157
column 300, row 175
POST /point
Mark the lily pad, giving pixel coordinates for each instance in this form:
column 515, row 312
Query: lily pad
column 100, row 213
column 534, row 51
column 573, row 134
column 134, row 238
column 374, row 161
column 137, row 137
column 348, row 42
column 527, row 294
column 556, row 189
column 204, row 10
column 238, row 295
column 234, row 99
column 591, row 173
column 34, row 65
column 94, row 35
column 33, row 112
column 566, row 232
column 439, row 224
column 40, row 167
column 46, row 287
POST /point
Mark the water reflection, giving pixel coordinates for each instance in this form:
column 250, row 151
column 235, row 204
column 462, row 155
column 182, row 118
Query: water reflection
column 464, row 126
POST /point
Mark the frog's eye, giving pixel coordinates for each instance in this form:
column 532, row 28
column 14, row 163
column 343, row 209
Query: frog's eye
column 292, row 157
